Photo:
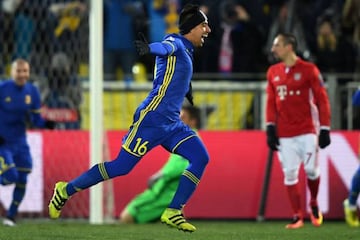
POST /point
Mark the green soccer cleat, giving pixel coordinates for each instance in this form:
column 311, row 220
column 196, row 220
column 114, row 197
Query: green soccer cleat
column 351, row 216
column 175, row 218
column 58, row 200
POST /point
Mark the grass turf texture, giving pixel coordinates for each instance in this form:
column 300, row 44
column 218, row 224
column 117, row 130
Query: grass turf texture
column 207, row 230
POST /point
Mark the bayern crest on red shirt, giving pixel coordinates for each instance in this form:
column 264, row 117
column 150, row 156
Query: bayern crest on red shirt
column 297, row 76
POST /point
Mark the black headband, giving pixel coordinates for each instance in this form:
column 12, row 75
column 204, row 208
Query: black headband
column 191, row 22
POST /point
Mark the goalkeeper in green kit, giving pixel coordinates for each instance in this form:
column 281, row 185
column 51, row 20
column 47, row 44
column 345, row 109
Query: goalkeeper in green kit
column 150, row 204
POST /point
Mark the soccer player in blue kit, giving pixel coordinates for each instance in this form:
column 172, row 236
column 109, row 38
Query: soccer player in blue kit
column 350, row 203
column 157, row 121
column 19, row 101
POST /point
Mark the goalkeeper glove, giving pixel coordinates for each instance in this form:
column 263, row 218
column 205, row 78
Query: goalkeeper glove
column 272, row 139
column 141, row 45
column 324, row 138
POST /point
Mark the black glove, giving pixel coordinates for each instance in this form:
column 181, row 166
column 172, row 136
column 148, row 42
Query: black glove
column 141, row 45
column 2, row 140
column 272, row 139
column 324, row 138
column 50, row 124
column 189, row 95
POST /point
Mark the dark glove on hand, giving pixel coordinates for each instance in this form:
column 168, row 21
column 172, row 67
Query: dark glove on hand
column 50, row 124
column 141, row 45
column 2, row 140
column 324, row 138
column 189, row 95
column 272, row 139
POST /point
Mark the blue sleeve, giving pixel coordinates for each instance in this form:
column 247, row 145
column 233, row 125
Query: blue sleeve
column 164, row 48
column 356, row 98
column 35, row 111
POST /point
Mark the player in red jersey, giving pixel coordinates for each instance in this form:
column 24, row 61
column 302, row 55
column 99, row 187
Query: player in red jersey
column 297, row 122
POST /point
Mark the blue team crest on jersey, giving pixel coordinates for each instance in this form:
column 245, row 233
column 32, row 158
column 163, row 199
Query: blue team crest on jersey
column 27, row 99
column 297, row 76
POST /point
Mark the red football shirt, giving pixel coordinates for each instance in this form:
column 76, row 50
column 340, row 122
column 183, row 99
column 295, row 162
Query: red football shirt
column 296, row 99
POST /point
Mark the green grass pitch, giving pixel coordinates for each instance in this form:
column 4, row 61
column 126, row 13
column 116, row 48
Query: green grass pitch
column 207, row 230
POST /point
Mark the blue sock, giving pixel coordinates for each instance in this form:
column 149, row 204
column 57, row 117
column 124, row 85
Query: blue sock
column 192, row 175
column 187, row 185
column 91, row 177
column 355, row 188
column 18, row 194
column 103, row 171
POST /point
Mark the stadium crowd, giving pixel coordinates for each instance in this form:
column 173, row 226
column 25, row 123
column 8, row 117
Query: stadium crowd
column 328, row 32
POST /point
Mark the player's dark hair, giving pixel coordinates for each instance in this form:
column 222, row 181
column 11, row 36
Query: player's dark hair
column 194, row 113
column 289, row 38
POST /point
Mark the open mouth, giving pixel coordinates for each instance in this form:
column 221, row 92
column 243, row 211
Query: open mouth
column 203, row 37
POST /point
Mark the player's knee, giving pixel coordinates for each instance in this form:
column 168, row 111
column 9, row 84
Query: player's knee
column 115, row 168
column 22, row 177
column 10, row 176
column 199, row 160
column 122, row 165
column 291, row 177
column 312, row 173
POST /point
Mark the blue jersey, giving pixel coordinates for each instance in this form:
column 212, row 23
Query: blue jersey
column 172, row 75
column 18, row 104
column 157, row 119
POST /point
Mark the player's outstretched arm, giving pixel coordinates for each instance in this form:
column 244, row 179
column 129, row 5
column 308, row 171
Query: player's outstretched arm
column 164, row 48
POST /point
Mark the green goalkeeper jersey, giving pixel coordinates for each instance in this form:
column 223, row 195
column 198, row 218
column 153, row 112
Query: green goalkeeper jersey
column 171, row 173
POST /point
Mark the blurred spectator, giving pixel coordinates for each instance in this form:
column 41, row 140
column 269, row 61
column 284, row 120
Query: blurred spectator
column 287, row 22
column 334, row 53
column 157, row 27
column 308, row 12
column 122, row 20
column 69, row 32
column 62, row 94
column 351, row 20
column 162, row 19
column 49, row 26
column 7, row 11
column 235, row 44
column 24, row 28
column 172, row 16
